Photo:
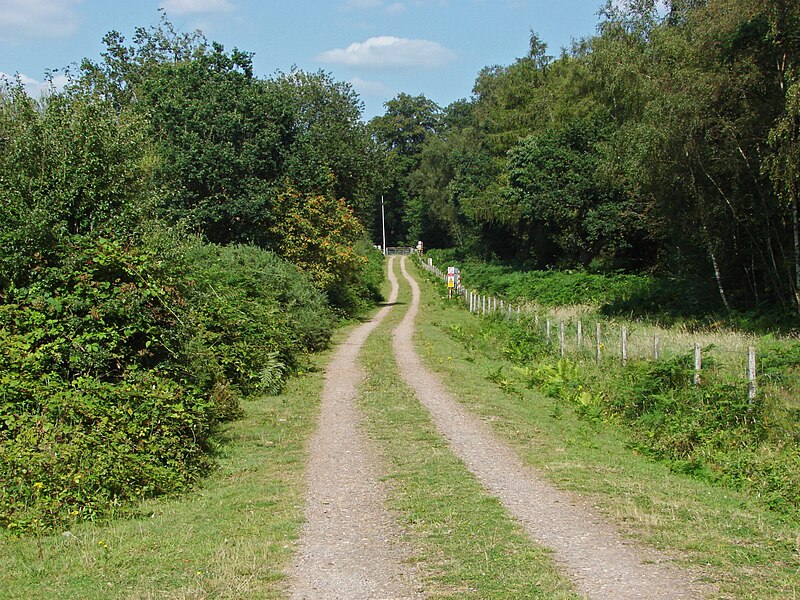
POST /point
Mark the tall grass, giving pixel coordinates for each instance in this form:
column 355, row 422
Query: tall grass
column 705, row 423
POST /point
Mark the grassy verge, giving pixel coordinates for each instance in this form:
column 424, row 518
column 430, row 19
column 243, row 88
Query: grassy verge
column 750, row 551
column 470, row 547
column 230, row 538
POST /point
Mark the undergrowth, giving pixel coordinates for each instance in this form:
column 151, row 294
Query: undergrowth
column 664, row 299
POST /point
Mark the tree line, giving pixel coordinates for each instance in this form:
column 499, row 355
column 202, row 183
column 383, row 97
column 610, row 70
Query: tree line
column 666, row 143
column 176, row 235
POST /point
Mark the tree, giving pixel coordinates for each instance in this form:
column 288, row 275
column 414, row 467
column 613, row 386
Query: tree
column 331, row 151
column 223, row 138
column 319, row 234
column 568, row 214
column 401, row 133
column 70, row 166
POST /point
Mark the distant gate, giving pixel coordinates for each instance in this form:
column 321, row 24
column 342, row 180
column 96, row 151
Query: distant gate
column 399, row 250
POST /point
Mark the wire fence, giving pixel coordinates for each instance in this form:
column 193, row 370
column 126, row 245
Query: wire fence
column 578, row 334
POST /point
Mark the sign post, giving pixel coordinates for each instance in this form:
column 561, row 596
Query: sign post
column 453, row 280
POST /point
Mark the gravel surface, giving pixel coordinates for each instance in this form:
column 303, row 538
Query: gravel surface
column 602, row 563
column 350, row 547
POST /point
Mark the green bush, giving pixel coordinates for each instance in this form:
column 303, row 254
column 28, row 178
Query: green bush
column 79, row 450
column 547, row 288
column 117, row 364
column 125, row 343
column 251, row 316
column 94, row 411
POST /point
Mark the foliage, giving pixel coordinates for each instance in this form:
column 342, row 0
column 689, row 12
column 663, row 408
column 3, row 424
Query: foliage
column 117, row 365
column 71, row 166
column 711, row 430
column 401, row 134
column 548, row 288
column 94, row 411
column 253, row 316
column 320, row 235
column 330, row 152
column 665, row 144
column 567, row 214
column 126, row 341
column 230, row 144
column 220, row 135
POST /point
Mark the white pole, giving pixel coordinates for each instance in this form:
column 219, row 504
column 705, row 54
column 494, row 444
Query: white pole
column 624, row 346
column 383, row 226
column 599, row 344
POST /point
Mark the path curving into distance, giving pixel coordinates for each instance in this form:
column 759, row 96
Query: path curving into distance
column 602, row 564
column 349, row 547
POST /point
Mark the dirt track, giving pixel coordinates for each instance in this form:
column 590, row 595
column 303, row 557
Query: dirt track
column 350, row 546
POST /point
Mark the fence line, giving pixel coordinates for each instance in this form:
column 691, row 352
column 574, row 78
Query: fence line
column 652, row 350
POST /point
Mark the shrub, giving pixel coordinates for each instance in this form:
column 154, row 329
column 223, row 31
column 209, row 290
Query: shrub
column 118, row 363
column 252, row 315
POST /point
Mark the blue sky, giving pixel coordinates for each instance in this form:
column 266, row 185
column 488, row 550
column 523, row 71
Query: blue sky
column 382, row 47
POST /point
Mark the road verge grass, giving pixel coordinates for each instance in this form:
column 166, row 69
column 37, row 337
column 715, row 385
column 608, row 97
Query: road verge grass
column 749, row 551
column 231, row 537
column 468, row 545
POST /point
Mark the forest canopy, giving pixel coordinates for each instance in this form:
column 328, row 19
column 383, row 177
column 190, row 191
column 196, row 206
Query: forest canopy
column 667, row 144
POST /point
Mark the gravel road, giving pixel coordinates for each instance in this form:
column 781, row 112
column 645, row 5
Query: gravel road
column 602, row 563
column 350, row 547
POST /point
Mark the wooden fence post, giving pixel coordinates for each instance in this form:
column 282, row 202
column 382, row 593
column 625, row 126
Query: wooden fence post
column 698, row 362
column 563, row 344
column 751, row 374
column 624, row 346
column 599, row 345
column 656, row 347
column 547, row 330
column 580, row 335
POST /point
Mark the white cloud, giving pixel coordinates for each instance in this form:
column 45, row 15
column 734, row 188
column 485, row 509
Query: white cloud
column 193, row 7
column 390, row 52
column 25, row 19
column 34, row 88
